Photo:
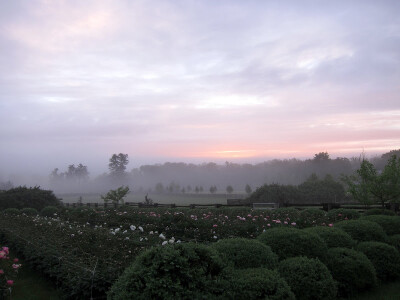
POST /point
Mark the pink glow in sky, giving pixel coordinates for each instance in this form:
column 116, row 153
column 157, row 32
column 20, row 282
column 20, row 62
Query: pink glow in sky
column 201, row 80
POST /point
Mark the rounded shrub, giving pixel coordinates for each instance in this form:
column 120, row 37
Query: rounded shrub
column 29, row 211
column 384, row 257
column 308, row 278
column 82, row 214
column 289, row 242
column 245, row 253
column 379, row 211
column 390, row 224
column 394, row 240
column 363, row 230
column 49, row 211
column 333, row 237
column 259, row 283
column 181, row 271
column 352, row 270
column 343, row 214
column 11, row 211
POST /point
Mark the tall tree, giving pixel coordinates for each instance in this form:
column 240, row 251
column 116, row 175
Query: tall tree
column 368, row 185
column 117, row 165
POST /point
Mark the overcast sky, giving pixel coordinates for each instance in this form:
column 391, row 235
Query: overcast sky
column 195, row 81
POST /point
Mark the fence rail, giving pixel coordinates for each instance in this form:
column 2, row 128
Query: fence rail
column 324, row 206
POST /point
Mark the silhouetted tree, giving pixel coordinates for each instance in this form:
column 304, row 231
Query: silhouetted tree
column 248, row 189
column 117, row 165
column 213, row 189
column 229, row 189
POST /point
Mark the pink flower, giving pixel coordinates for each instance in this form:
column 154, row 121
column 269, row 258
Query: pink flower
column 10, row 282
column 2, row 254
column 330, row 225
column 293, row 224
column 15, row 266
column 215, row 225
column 339, row 215
column 15, row 259
column 1, row 271
column 269, row 225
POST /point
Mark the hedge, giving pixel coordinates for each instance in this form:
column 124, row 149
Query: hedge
column 363, row 230
column 390, row 224
column 333, row 237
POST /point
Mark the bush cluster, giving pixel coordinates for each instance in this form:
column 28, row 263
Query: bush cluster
column 394, row 240
column 379, row 211
column 245, row 253
column 333, row 237
column 363, row 230
column 49, row 211
column 352, row 270
column 291, row 242
column 29, row 211
column 258, row 283
column 390, row 224
column 21, row 197
column 308, row 278
column 183, row 271
column 338, row 214
column 385, row 258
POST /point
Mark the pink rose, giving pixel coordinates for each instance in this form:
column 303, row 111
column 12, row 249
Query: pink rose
column 10, row 282
column 1, row 271
column 15, row 259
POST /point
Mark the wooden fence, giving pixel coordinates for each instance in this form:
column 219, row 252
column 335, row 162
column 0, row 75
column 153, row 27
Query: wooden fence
column 324, row 206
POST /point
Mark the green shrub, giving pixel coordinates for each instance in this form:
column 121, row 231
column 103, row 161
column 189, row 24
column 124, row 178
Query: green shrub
column 29, row 211
column 384, row 257
column 352, row 270
column 11, row 211
column 390, row 224
column 379, row 211
column 181, row 271
column 308, row 278
column 286, row 212
column 49, row 211
column 246, row 253
column 81, row 214
column 333, row 237
column 259, row 283
column 289, row 242
column 21, row 197
column 362, row 230
column 394, row 240
column 343, row 214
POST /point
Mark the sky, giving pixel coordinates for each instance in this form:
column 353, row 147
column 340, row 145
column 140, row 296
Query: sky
column 195, row 81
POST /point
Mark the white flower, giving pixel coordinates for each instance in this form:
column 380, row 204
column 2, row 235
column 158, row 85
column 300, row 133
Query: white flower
column 151, row 232
column 162, row 236
column 171, row 241
column 127, row 238
column 124, row 231
column 116, row 229
column 72, row 235
column 141, row 239
column 132, row 227
column 178, row 241
column 112, row 232
column 215, row 237
column 141, row 228
column 164, row 243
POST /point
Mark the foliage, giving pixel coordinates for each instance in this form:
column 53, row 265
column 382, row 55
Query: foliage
column 291, row 242
column 229, row 189
column 308, row 278
column 379, row 211
column 274, row 193
column 352, row 270
column 248, row 189
column 8, row 271
column 21, row 197
column 245, row 253
column 29, row 211
column 117, row 165
column 369, row 185
column 11, row 211
column 49, row 211
column 183, row 271
column 384, row 257
column 362, row 230
column 315, row 215
column 116, row 196
column 316, row 190
column 213, row 189
column 394, row 240
column 390, row 224
column 333, row 237
column 339, row 214
column 259, row 283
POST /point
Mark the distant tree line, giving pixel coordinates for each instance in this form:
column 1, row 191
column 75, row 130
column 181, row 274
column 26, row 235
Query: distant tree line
column 172, row 177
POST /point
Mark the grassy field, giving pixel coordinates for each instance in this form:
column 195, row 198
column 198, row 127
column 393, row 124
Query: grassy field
column 178, row 199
